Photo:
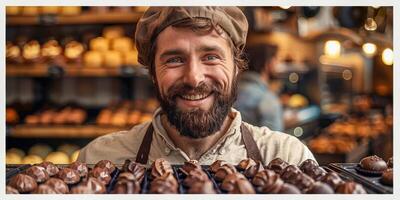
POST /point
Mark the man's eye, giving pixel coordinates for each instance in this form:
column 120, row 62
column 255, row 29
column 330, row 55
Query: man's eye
column 174, row 60
column 211, row 57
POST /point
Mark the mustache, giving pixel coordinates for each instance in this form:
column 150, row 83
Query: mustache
column 184, row 89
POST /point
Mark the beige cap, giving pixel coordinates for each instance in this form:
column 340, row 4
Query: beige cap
column 155, row 19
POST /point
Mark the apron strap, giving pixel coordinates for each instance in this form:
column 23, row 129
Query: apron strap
column 144, row 149
column 251, row 146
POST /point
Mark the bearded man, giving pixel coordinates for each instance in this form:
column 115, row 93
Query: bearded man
column 194, row 56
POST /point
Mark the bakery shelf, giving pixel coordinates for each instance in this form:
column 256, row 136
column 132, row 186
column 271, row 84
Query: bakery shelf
column 84, row 18
column 43, row 70
column 62, row 131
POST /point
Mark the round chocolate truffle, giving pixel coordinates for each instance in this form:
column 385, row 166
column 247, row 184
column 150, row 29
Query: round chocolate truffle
column 136, row 169
column 69, row 176
column 106, row 164
column 387, row 177
column 229, row 182
column 288, row 188
column 303, row 182
column 188, row 166
column 195, row 176
column 267, row 181
column 223, row 171
column 320, row 188
column 38, row 173
column 11, row 190
column 126, row 187
column 51, row 169
column 102, row 174
column 23, row 183
column 44, row 189
column 160, row 167
column 243, row 186
column 95, row 185
column 164, row 184
column 350, row 187
column 317, row 173
column 202, row 187
column 252, row 170
column 289, row 173
column 373, row 164
column 246, row 163
column 308, row 165
column 58, row 185
column 216, row 165
column 80, row 167
column 332, row 179
column 277, row 165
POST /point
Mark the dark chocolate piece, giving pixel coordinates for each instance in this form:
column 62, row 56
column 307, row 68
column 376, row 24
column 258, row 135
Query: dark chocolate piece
column 95, row 185
column 58, row 185
column 51, row 169
column 320, row 188
column 387, row 177
column 251, row 171
column 308, row 166
column 202, row 187
column 332, row 179
column 44, row 189
column 188, row 166
column 126, row 187
column 390, row 162
column 350, row 187
column 223, row 171
column 160, row 167
column 246, row 163
column 138, row 170
column 373, row 164
column 82, row 168
column 102, row 174
column 164, row 184
column 289, row 173
column 236, row 183
column 38, row 173
column 277, row 165
column 195, row 176
column 288, row 188
column 23, row 183
column 69, row 176
column 81, row 189
column 106, row 164
column 216, row 165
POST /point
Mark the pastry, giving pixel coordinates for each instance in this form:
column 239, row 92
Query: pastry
column 51, row 169
column 223, row 171
column 80, row 167
column 38, row 173
column 93, row 59
column 58, row 185
column 106, row 164
column 23, row 183
column 99, row 44
column 69, row 176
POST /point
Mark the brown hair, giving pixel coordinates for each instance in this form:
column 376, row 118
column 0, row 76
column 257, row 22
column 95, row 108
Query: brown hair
column 202, row 26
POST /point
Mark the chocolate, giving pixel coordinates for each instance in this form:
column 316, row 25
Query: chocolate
column 95, row 185
column 308, row 166
column 81, row 189
column 317, row 173
column 202, row 187
column 387, row 177
column 251, row 171
column 136, row 169
column 267, row 181
column 23, row 183
column 373, row 164
column 390, row 162
column 126, row 176
column 160, row 167
column 102, row 174
column 164, row 184
column 188, row 166
column 51, row 169
column 303, row 182
column 229, row 182
column 11, row 190
column 69, row 176
column 289, row 173
column 106, row 164
column 58, row 185
column 44, row 189
column 126, row 187
column 80, row 167
column 236, row 183
column 216, row 165
column 246, row 163
column 195, row 176
column 332, row 179
column 288, row 188
column 277, row 165
column 223, row 171
column 320, row 188
column 350, row 187
column 38, row 173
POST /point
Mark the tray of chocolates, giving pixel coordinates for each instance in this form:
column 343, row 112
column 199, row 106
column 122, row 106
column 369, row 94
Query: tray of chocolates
column 246, row 177
column 372, row 172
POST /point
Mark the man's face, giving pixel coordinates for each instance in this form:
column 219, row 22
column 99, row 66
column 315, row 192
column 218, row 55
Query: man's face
column 196, row 79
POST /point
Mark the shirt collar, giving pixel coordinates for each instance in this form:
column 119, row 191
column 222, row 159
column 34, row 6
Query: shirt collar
column 233, row 129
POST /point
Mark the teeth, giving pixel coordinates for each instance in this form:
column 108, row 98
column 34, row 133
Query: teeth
column 194, row 97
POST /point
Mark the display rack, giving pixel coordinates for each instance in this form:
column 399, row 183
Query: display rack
column 84, row 18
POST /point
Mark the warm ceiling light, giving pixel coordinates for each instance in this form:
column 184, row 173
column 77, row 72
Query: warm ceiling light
column 369, row 49
column 332, row 48
column 387, row 56
column 285, row 7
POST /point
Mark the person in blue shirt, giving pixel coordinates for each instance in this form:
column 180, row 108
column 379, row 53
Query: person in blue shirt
column 257, row 103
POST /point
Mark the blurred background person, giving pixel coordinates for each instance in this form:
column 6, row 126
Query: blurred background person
column 256, row 101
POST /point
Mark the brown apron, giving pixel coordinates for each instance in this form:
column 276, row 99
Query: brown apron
column 252, row 150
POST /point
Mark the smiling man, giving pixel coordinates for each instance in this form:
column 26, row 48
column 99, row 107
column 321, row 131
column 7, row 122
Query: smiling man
column 194, row 55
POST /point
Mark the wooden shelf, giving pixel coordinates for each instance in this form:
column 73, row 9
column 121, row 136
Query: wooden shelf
column 62, row 131
column 84, row 18
column 44, row 70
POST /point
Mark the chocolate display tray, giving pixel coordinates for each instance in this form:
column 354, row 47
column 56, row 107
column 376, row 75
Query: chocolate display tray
column 370, row 182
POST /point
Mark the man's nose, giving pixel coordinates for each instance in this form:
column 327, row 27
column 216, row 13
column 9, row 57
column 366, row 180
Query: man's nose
column 193, row 74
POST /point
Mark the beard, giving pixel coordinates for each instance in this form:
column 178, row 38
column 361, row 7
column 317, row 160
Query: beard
column 197, row 123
